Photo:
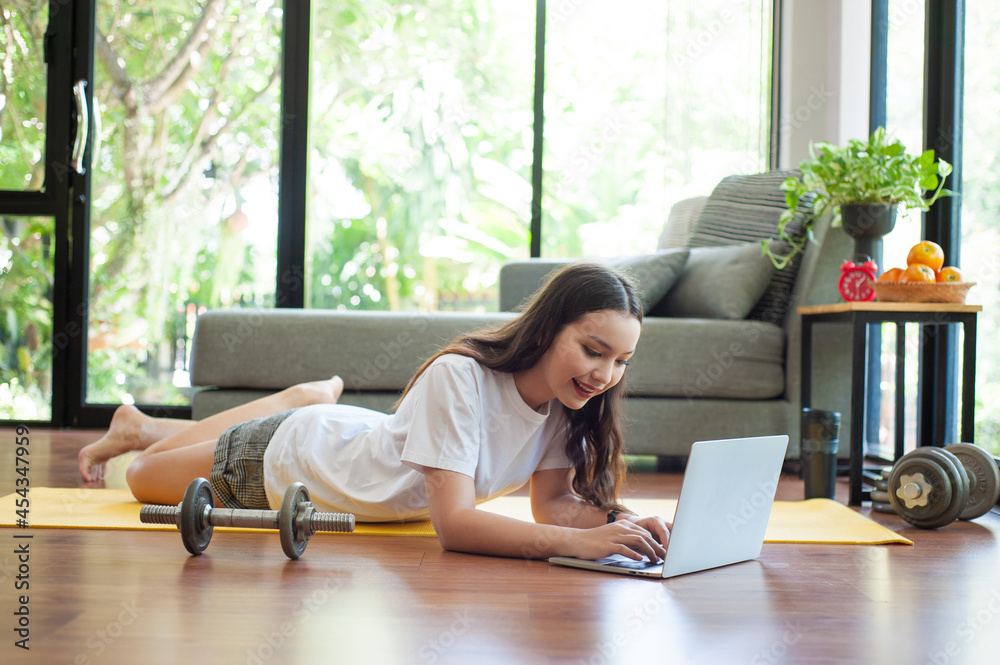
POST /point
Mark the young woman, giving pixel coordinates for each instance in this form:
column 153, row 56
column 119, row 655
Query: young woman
column 537, row 400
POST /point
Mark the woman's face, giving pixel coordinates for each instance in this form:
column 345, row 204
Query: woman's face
column 588, row 357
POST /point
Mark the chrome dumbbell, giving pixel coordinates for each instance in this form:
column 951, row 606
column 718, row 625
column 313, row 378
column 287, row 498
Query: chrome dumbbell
column 197, row 516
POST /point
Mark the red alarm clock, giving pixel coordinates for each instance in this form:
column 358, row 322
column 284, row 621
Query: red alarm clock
column 856, row 279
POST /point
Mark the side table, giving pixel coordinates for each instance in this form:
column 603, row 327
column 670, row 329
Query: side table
column 863, row 315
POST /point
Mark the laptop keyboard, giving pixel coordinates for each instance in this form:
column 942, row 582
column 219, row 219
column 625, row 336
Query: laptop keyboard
column 629, row 564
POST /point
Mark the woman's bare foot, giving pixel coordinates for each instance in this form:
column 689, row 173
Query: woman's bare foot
column 130, row 430
column 327, row 391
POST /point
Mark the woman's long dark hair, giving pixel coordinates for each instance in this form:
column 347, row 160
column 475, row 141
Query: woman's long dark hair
column 595, row 438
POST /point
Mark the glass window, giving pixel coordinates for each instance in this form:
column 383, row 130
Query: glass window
column 644, row 106
column 420, row 158
column 184, row 185
column 980, row 198
column 420, row 153
column 905, row 111
column 23, row 80
column 26, row 279
column 904, row 121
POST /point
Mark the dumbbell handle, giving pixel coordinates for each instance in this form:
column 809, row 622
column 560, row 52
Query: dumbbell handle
column 252, row 519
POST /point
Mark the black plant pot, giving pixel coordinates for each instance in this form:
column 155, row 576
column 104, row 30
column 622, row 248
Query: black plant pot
column 867, row 223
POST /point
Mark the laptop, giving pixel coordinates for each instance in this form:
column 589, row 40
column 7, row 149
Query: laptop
column 722, row 512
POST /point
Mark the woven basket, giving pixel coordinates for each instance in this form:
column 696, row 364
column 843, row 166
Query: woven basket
column 948, row 292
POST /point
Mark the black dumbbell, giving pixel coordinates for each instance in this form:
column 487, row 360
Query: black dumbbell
column 296, row 522
column 931, row 487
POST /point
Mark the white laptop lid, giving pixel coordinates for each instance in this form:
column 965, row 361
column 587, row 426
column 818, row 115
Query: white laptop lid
column 725, row 503
column 722, row 511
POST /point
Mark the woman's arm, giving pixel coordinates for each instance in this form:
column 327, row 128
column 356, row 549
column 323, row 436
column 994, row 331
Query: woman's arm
column 554, row 502
column 461, row 527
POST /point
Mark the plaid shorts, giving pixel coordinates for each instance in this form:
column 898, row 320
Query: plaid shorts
column 238, row 467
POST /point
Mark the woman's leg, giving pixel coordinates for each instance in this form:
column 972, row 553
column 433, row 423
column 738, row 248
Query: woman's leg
column 154, row 435
column 130, row 429
column 163, row 477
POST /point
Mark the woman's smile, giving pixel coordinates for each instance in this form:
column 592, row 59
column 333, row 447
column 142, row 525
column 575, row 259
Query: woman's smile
column 584, row 390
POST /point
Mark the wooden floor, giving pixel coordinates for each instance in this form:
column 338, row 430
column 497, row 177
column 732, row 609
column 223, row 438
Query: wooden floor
column 136, row 597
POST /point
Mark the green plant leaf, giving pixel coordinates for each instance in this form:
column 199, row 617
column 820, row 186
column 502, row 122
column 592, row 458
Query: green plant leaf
column 876, row 170
column 895, row 149
column 929, row 181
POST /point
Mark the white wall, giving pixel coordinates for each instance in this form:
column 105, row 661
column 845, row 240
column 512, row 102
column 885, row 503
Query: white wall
column 825, row 70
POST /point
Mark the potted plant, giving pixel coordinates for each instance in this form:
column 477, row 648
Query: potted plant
column 861, row 185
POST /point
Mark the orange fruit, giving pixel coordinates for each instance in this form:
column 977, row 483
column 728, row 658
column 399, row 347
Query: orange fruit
column 891, row 275
column 927, row 253
column 918, row 272
column 949, row 274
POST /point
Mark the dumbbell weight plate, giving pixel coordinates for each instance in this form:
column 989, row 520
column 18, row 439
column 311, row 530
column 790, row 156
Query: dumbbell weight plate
column 945, row 499
column 962, row 480
column 881, row 507
column 292, row 543
column 882, row 496
column 957, row 474
column 984, row 486
column 195, row 533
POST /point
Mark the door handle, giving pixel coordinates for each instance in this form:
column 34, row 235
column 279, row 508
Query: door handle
column 95, row 148
column 82, row 125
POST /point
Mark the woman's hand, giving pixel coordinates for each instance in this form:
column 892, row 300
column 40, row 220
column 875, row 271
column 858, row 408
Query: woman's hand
column 656, row 525
column 625, row 537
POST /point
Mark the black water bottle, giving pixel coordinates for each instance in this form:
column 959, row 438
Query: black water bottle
column 820, row 439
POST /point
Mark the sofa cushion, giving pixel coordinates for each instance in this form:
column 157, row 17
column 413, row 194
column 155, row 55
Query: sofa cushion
column 708, row 358
column 680, row 223
column 718, row 283
column 745, row 208
column 520, row 279
column 654, row 274
column 273, row 349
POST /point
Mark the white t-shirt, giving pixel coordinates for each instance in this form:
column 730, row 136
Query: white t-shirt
column 459, row 416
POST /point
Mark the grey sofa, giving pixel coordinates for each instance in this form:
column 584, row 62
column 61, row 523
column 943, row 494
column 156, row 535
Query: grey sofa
column 692, row 378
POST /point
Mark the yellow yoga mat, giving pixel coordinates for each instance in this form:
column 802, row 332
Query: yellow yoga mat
column 812, row 521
